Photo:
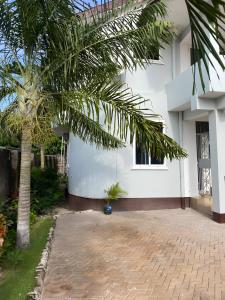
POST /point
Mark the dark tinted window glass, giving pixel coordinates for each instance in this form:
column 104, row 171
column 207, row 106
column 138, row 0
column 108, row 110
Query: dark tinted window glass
column 155, row 161
column 142, row 157
column 151, row 54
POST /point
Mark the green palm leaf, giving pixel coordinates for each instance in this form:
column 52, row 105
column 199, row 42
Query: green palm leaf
column 207, row 22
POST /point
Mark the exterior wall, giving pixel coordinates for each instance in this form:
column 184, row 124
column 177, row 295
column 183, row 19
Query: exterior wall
column 190, row 171
column 217, row 147
column 91, row 170
column 185, row 58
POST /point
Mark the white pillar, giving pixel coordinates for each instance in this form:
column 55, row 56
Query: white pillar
column 217, row 149
column 190, row 187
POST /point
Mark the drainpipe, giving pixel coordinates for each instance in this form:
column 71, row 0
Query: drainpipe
column 180, row 122
column 181, row 162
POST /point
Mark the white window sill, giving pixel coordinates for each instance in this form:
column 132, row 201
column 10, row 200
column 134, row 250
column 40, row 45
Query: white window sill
column 152, row 167
column 156, row 62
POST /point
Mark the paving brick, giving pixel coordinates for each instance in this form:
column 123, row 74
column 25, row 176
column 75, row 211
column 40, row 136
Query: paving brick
column 162, row 255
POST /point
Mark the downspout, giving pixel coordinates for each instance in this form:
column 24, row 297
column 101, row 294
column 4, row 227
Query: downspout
column 181, row 163
column 68, row 170
column 180, row 122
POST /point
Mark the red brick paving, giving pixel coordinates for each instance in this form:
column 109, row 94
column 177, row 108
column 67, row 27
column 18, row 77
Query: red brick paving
column 167, row 254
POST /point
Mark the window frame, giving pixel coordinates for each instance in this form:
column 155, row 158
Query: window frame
column 159, row 61
column 149, row 166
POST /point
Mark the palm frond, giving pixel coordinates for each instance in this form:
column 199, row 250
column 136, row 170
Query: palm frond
column 5, row 92
column 88, row 130
column 123, row 36
column 207, row 22
column 123, row 115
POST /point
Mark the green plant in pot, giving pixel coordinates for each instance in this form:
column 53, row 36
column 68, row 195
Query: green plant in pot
column 114, row 192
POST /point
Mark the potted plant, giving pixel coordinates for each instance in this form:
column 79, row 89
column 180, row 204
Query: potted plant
column 114, row 192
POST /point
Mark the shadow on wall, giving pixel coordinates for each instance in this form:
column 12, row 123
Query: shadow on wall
column 93, row 172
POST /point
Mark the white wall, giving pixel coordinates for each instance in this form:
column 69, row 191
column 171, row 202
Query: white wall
column 92, row 170
column 190, row 175
column 217, row 149
column 183, row 52
column 185, row 56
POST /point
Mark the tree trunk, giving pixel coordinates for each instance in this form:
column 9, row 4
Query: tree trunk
column 23, row 219
column 42, row 149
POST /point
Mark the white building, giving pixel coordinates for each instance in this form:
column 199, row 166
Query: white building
column 188, row 119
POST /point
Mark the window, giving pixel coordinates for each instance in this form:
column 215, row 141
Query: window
column 151, row 54
column 144, row 160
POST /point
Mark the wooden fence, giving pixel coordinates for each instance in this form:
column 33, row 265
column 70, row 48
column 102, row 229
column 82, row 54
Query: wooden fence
column 9, row 172
column 10, row 169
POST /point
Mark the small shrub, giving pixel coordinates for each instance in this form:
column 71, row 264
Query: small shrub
column 8, row 207
column 45, row 190
column 45, row 193
column 33, row 217
column 8, row 216
column 8, row 247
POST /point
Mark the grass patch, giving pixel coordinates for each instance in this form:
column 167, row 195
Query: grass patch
column 19, row 280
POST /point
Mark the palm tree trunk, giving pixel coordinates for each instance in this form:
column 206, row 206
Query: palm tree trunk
column 42, row 149
column 23, row 219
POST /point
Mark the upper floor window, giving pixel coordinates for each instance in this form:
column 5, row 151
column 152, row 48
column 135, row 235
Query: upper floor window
column 145, row 160
column 151, row 54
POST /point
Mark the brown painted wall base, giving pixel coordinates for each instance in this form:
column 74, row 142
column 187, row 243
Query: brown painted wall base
column 219, row 218
column 129, row 204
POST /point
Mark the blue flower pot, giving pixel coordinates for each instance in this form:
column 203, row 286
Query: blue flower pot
column 108, row 209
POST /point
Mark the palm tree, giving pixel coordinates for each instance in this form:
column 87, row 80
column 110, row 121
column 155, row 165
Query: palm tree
column 62, row 58
column 8, row 137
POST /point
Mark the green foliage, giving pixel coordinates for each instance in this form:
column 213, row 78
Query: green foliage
column 3, row 226
column 114, row 192
column 9, row 141
column 8, row 248
column 66, row 67
column 206, row 17
column 11, row 258
column 8, row 207
column 33, row 217
column 19, row 266
column 54, row 146
column 45, row 190
column 8, row 138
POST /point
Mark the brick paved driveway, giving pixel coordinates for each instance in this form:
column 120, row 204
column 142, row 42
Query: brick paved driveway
column 167, row 254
